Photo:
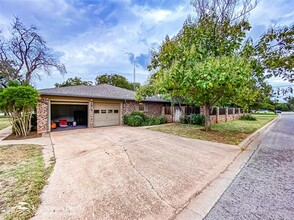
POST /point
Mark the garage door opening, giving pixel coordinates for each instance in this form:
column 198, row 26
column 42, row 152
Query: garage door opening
column 68, row 116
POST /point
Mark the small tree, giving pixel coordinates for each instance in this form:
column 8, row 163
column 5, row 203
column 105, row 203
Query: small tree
column 19, row 103
column 204, row 62
column 77, row 81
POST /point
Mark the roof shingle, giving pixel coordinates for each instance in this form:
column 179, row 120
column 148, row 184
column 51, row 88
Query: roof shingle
column 103, row 91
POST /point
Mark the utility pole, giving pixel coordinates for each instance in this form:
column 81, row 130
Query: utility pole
column 134, row 76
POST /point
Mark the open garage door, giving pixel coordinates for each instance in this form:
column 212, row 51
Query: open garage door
column 75, row 115
column 106, row 114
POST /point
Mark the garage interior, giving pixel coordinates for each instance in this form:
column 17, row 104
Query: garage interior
column 76, row 116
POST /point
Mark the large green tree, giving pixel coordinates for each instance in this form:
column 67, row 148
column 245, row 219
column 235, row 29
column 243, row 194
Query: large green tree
column 116, row 80
column 205, row 62
column 76, row 81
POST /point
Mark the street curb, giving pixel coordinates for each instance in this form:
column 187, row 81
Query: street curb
column 247, row 141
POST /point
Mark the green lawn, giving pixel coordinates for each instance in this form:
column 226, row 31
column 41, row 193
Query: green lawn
column 4, row 122
column 232, row 132
column 22, row 178
column 265, row 113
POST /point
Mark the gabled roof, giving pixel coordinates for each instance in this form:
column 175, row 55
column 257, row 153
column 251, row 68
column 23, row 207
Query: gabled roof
column 102, row 91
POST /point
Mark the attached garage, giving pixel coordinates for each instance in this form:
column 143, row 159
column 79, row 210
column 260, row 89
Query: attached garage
column 90, row 106
column 73, row 113
column 106, row 114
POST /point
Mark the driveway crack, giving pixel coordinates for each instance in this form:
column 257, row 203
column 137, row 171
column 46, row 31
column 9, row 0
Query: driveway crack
column 147, row 180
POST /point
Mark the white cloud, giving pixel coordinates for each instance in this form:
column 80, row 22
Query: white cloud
column 270, row 12
column 104, row 49
column 95, row 39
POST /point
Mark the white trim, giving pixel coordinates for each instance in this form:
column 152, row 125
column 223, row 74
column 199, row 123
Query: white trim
column 69, row 103
column 49, row 116
column 121, row 113
column 89, row 113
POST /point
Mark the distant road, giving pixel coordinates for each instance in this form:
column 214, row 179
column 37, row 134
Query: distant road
column 264, row 188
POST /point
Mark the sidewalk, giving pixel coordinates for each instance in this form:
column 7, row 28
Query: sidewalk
column 5, row 132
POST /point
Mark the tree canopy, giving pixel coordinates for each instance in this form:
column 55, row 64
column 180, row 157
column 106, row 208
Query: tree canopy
column 25, row 54
column 76, row 81
column 276, row 52
column 116, row 80
column 19, row 102
column 210, row 61
column 205, row 62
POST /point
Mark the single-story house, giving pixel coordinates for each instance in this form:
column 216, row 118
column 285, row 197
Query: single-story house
column 91, row 106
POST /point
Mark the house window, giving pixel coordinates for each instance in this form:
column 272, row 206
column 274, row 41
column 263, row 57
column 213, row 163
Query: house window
column 115, row 111
column 109, row 111
column 96, row 111
column 141, row 107
column 103, row 111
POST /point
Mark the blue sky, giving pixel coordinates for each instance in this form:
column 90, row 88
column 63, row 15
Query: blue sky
column 93, row 37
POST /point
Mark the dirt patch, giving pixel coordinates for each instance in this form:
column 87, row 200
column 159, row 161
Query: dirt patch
column 11, row 155
column 32, row 134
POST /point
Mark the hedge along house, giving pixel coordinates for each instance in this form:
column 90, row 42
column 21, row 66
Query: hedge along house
column 91, row 106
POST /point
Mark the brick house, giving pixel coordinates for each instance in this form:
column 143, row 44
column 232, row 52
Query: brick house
column 91, row 106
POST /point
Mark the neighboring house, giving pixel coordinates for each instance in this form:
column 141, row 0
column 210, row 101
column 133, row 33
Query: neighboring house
column 91, row 106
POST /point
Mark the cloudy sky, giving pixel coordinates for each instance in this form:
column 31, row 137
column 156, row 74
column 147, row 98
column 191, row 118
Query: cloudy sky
column 93, row 37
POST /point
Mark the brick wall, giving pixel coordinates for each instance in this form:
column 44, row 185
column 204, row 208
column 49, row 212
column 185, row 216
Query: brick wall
column 128, row 107
column 227, row 117
column 169, row 118
column 91, row 114
column 153, row 108
column 213, row 119
column 42, row 116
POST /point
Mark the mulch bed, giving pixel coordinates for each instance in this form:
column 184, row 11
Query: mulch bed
column 32, row 134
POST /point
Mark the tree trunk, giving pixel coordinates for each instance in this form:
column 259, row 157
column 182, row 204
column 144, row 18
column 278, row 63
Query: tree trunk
column 207, row 117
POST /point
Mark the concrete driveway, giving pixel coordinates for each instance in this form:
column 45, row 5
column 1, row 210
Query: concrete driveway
column 128, row 173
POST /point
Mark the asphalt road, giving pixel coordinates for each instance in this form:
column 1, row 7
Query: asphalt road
column 264, row 188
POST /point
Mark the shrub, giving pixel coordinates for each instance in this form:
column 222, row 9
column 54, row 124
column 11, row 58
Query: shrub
column 135, row 120
column 161, row 119
column 248, row 117
column 148, row 121
column 185, row 119
column 138, row 113
column 125, row 119
column 197, row 119
column 140, row 119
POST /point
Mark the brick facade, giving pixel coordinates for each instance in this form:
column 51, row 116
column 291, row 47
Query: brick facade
column 91, row 114
column 127, row 107
column 153, row 108
column 42, row 116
